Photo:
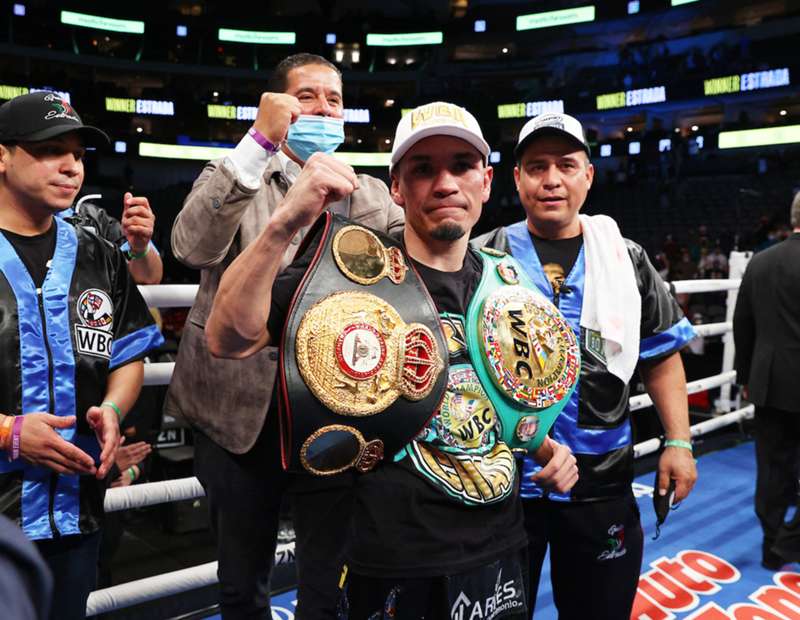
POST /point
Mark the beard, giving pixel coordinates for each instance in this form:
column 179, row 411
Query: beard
column 448, row 232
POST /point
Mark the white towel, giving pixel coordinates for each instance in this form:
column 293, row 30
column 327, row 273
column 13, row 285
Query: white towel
column 612, row 304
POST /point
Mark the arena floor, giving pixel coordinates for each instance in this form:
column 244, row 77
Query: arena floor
column 716, row 533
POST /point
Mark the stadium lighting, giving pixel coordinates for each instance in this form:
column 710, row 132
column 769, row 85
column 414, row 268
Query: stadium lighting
column 605, row 150
column 257, row 37
column 664, row 145
column 782, row 112
column 633, row 7
column 19, row 10
column 480, row 25
column 548, row 19
column 98, row 22
column 679, row 2
column 634, row 148
column 411, row 38
column 120, row 146
column 494, row 157
column 330, row 38
column 181, row 30
column 695, row 128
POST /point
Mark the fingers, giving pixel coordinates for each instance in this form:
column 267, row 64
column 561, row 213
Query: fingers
column 663, row 481
column 135, row 202
column 109, row 450
column 67, row 458
column 59, row 422
column 561, row 471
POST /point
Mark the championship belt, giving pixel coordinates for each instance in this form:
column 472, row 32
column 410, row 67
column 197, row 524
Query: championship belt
column 362, row 353
column 525, row 354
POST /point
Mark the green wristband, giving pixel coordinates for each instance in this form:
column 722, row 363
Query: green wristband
column 113, row 405
column 678, row 443
column 136, row 255
column 132, row 473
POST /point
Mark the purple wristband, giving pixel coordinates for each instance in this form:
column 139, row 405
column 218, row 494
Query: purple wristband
column 262, row 140
column 15, row 433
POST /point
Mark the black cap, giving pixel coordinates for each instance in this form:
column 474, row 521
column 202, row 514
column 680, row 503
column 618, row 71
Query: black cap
column 43, row 115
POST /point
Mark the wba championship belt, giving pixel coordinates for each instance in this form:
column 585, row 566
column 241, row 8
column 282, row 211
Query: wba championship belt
column 362, row 353
column 525, row 353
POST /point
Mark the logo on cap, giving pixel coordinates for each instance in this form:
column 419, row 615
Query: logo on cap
column 550, row 121
column 61, row 109
column 437, row 114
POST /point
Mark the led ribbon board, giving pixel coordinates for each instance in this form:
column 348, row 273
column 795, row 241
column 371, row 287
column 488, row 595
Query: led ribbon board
column 529, row 109
column 8, row 91
column 178, row 151
column 248, row 113
column 549, row 19
column 768, row 136
column 630, row 98
column 140, row 106
column 410, row 38
column 98, row 22
column 232, row 112
column 757, row 80
column 258, row 37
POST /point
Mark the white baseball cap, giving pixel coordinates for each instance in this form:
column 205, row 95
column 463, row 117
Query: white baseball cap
column 553, row 123
column 437, row 119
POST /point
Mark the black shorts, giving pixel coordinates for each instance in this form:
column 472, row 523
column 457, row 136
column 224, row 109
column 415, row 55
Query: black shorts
column 499, row 589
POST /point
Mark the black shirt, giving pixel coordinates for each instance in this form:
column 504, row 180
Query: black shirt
column 403, row 525
column 34, row 251
column 557, row 257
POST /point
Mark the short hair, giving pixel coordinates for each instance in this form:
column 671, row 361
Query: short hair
column 794, row 214
column 279, row 79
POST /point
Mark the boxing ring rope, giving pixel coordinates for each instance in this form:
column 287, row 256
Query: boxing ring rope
column 152, row 493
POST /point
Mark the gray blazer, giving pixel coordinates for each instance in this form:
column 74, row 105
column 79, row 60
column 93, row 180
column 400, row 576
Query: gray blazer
column 228, row 399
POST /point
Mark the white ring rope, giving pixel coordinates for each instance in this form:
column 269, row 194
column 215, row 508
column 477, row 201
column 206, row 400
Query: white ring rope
column 705, row 286
column 151, row 588
column 643, row 400
column 182, row 295
column 703, row 428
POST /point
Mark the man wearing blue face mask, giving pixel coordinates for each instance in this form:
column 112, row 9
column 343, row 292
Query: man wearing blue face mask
column 237, row 453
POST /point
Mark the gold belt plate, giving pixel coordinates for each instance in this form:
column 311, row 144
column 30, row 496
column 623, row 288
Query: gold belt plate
column 357, row 355
column 531, row 352
column 363, row 258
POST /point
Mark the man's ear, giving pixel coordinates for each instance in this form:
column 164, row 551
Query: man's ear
column 394, row 190
column 488, row 175
column 516, row 177
column 5, row 153
column 590, row 173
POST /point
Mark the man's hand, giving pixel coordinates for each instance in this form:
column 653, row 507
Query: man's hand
column 276, row 111
column 132, row 454
column 559, row 468
column 105, row 424
column 677, row 464
column 323, row 180
column 137, row 222
column 40, row 444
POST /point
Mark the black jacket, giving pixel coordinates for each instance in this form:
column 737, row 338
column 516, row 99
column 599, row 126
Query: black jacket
column 766, row 327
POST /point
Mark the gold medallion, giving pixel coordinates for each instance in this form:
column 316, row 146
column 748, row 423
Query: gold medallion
column 357, row 355
column 363, row 258
column 531, row 352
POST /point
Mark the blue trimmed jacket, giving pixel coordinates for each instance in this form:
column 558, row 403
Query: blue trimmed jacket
column 595, row 423
column 58, row 345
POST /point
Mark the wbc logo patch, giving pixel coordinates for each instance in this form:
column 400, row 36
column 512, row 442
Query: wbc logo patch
column 94, row 335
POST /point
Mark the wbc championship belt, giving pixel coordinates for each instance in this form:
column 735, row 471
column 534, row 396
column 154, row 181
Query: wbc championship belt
column 362, row 353
column 525, row 354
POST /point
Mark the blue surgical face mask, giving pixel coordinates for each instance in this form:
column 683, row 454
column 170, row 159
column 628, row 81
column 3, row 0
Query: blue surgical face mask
column 309, row 134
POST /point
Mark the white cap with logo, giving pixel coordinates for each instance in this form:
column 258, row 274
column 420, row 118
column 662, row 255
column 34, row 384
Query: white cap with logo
column 553, row 123
column 437, row 119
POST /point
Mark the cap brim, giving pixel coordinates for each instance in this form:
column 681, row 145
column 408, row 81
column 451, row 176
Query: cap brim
column 441, row 130
column 92, row 136
column 553, row 131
